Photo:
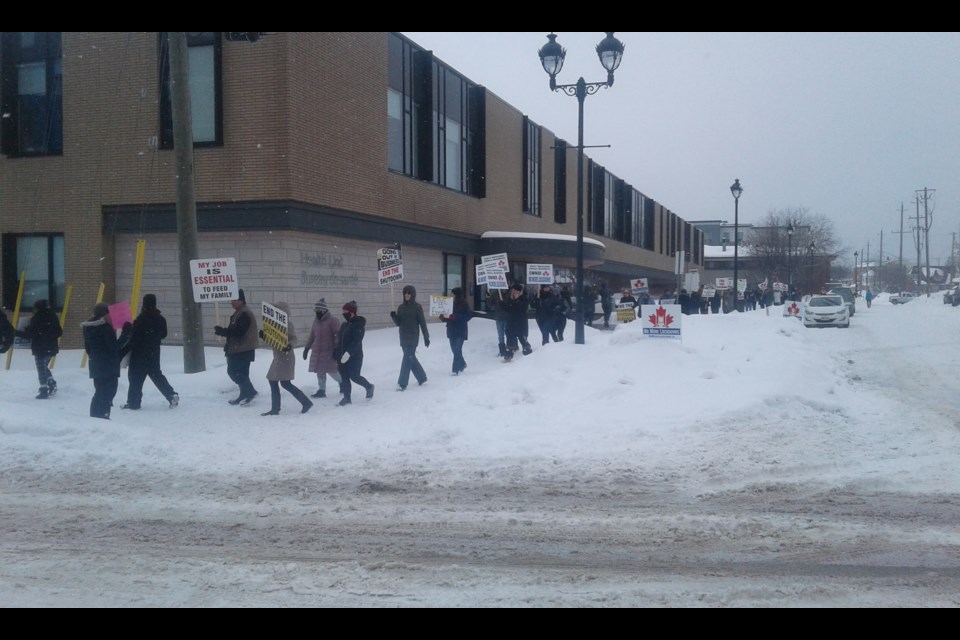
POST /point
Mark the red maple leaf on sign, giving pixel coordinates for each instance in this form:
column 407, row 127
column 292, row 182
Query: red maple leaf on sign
column 660, row 318
column 793, row 309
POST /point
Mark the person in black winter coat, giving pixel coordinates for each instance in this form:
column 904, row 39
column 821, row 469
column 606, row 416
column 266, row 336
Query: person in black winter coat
column 409, row 317
column 606, row 304
column 44, row 333
column 149, row 328
column 563, row 312
column 457, row 328
column 349, row 352
column 545, row 306
column 103, row 349
column 517, row 323
column 7, row 333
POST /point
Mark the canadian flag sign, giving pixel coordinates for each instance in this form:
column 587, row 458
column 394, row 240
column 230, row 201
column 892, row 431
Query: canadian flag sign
column 661, row 320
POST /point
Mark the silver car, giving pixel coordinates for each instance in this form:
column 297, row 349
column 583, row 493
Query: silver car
column 826, row 311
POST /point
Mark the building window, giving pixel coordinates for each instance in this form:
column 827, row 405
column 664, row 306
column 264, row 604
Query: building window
column 595, row 197
column 649, row 224
column 40, row 258
column 454, row 267
column 435, row 120
column 560, row 182
column 32, row 95
column 206, row 96
column 532, row 137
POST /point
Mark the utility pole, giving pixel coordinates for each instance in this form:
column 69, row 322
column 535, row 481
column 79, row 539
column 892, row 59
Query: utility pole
column 187, row 243
column 918, row 239
column 927, row 223
column 900, row 273
column 879, row 284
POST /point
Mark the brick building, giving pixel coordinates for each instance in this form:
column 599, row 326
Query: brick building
column 311, row 151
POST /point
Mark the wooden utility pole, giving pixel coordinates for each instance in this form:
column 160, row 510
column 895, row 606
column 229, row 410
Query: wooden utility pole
column 927, row 223
column 187, row 243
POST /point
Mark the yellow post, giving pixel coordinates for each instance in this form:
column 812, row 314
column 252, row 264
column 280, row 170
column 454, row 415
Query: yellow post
column 16, row 311
column 137, row 275
column 63, row 319
column 83, row 360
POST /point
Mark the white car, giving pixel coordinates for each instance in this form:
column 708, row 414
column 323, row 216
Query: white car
column 902, row 298
column 826, row 311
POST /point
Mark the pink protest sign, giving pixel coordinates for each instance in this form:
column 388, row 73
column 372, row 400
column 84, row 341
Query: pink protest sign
column 120, row 314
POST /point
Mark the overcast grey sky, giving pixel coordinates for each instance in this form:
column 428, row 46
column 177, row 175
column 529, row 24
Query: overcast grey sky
column 847, row 125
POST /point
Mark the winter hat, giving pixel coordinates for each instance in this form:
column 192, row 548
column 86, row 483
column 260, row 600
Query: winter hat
column 100, row 309
column 409, row 289
column 241, row 298
column 517, row 287
column 149, row 301
column 40, row 305
column 457, row 291
column 351, row 307
column 321, row 306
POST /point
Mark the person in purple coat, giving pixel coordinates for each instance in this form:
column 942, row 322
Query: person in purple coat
column 321, row 342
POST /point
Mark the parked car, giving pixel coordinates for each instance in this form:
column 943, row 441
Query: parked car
column 848, row 297
column 952, row 296
column 828, row 310
column 902, row 298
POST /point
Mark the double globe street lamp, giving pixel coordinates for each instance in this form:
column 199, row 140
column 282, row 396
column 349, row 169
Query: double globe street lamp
column 610, row 51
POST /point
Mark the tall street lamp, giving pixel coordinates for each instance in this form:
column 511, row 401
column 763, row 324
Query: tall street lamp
column 610, row 51
column 856, row 281
column 790, row 256
column 736, row 190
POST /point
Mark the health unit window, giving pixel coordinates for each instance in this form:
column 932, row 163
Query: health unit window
column 532, row 138
column 40, row 259
column 435, row 120
column 31, row 94
column 206, row 95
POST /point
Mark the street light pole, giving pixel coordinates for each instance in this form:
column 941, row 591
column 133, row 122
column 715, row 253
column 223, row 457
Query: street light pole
column 856, row 281
column 790, row 257
column 610, row 51
column 736, row 190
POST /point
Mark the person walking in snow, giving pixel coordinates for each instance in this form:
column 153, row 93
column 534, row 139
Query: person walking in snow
column 411, row 321
column 103, row 350
column 320, row 345
column 149, row 329
column 457, row 328
column 349, row 352
column 43, row 331
column 241, row 347
column 283, row 369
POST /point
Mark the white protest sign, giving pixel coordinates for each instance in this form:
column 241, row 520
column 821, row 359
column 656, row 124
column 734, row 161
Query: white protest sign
column 497, row 260
column 481, row 274
column 539, row 274
column 639, row 285
column 389, row 264
column 724, row 283
column 214, row 279
column 661, row 320
column 793, row 309
column 496, row 279
column 441, row 305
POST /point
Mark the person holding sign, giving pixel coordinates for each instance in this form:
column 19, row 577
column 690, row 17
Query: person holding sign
column 149, row 329
column 44, row 333
column 7, row 333
column 457, row 328
column 241, row 347
column 103, row 349
column 284, row 368
column 409, row 317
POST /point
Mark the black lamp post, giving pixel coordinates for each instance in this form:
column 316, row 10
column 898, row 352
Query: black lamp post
column 610, row 51
column 736, row 190
column 790, row 256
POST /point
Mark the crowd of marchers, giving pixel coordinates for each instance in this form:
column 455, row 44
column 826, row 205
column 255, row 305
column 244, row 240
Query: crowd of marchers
column 332, row 346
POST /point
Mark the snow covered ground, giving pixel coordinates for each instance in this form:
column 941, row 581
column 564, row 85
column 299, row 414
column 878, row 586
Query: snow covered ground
column 755, row 463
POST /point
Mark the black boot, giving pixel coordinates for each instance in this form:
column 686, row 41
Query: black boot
column 43, row 394
column 319, row 394
column 272, row 412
